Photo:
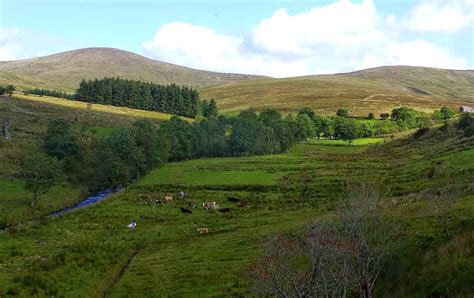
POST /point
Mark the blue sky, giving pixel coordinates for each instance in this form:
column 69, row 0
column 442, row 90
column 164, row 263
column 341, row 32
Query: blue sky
column 278, row 38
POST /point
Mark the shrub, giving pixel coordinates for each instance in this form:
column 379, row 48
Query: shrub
column 384, row 116
column 465, row 121
column 342, row 113
column 444, row 113
column 371, row 116
column 421, row 132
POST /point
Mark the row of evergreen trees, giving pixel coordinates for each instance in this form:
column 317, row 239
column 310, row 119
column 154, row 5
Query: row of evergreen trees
column 48, row 92
column 173, row 99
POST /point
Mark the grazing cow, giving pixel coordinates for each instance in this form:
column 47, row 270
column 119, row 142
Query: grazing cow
column 224, row 210
column 233, row 200
column 210, row 205
column 168, row 199
column 203, row 230
column 192, row 205
column 243, row 204
column 132, row 225
column 181, row 195
column 185, row 211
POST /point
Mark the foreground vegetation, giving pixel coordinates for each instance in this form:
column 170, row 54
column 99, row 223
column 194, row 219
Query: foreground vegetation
column 91, row 251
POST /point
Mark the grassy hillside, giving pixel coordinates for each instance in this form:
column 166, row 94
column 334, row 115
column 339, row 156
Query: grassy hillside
column 65, row 70
column 91, row 252
column 87, row 107
column 373, row 90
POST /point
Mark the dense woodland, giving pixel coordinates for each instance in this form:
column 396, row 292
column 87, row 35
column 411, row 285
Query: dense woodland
column 173, row 99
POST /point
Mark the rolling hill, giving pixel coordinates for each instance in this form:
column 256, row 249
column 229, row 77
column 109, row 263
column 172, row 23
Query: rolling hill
column 64, row 71
column 371, row 90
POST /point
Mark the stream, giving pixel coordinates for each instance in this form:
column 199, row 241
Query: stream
column 88, row 201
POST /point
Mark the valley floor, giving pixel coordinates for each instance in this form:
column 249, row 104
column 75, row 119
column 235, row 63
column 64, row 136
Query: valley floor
column 91, row 252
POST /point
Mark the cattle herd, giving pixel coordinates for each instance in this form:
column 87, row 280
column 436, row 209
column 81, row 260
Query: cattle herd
column 206, row 205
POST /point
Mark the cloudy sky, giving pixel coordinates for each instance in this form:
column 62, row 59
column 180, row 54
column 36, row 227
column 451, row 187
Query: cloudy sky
column 275, row 38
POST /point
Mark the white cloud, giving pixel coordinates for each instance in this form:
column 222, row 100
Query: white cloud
column 10, row 43
column 339, row 23
column 19, row 43
column 441, row 16
column 338, row 37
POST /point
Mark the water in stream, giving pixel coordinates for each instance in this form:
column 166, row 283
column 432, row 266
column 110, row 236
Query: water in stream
column 89, row 201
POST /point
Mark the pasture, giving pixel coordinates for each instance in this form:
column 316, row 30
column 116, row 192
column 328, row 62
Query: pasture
column 91, row 252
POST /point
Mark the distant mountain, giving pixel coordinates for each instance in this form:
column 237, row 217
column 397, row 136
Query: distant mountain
column 371, row 90
column 64, row 71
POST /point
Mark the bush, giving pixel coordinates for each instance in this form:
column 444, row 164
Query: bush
column 444, row 113
column 371, row 116
column 421, row 132
column 342, row 113
column 465, row 121
column 384, row 116
column 469, row 131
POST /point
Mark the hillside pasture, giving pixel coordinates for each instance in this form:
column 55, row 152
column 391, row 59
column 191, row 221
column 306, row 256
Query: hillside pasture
column 376, row 90
column 92, row 252
column 98, row 108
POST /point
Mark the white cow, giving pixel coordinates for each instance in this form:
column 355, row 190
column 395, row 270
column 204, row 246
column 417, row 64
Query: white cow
column 132, row 225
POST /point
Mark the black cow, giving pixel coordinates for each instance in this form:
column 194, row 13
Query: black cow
column 233, row 200
column 185, row 211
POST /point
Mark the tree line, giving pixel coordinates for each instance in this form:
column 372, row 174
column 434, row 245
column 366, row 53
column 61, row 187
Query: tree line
column 48, row 92
column 9, row 89
column 173, row 99
column 128, row 153
column 344, row 127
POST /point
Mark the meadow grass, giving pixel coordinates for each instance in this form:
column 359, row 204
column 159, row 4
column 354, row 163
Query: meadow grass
column 356, row 142
column 83, row 253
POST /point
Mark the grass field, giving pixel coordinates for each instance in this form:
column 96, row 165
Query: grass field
column 357, row 142
column 90, row 252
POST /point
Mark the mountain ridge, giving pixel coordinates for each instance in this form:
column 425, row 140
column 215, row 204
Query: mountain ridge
column 375, row 89
column 64, row 70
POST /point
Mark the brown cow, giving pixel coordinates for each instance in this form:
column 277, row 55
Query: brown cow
column 210, row 205
column 168, row 199
column 243, row 204
column 203, row 230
